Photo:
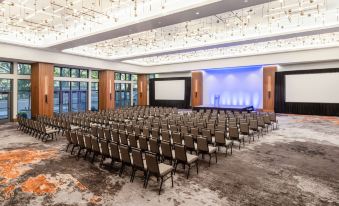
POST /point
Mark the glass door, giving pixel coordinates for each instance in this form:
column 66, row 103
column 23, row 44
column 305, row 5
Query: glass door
column 4, row 107
column 75, row 102
column 65, row 101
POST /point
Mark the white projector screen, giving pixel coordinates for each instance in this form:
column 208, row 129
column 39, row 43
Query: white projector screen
column 313, row 88
column 170, row 90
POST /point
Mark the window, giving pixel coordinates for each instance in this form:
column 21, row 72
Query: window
column 57, row 71
column 65, row 85
column 122, row 77
column 135, row 94
column 24, row 97
column 5, row 85
column 75, row 73
column 117, row 76
column 83, row 73
column 95, row 96
column 128, row 77
column 56, row 96
column 5, row 107
column 65, row 72
column 134, row 77
column 95, row 74
column 5, row 67
column 24, row 69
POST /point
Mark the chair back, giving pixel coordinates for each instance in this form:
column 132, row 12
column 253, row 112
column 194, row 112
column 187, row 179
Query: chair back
column 166, row 149
column 143, row 145
column 152, row 163
column 165, row 136
column 125, row 157
column 202, row 144
column 220, row 137
column 234, row 133
column 154, row 146
column 114, row 151
column 176, row 138
column 104, row 148
column 123, row 138
column 137, row 159
column 180, row 153
column 132, row 141
column 95, row 145
column 189, row 143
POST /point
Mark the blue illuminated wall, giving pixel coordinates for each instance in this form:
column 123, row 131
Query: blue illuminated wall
column 240, row 86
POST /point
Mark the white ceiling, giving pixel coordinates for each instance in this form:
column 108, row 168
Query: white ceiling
column 162, row 32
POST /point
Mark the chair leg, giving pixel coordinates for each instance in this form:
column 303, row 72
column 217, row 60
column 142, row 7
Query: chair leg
column 172, row 177
column 162, row 180
column 197, row 166
column 131, row 178
column 175, row 166
column 94, row 154
column 68, row 146
column 188, row 171
column 72, row 149
column 209, row 162
column 121, row 169
column 147, row 178
column 216, row 157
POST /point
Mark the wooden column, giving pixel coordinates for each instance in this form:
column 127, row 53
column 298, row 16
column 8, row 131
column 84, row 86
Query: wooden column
column 142, row 89
column 197, row 88
column 106, row 90
column 268, row 88
column 42, row 89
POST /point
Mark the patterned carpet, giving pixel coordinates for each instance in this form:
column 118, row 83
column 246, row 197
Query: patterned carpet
column 295, row 165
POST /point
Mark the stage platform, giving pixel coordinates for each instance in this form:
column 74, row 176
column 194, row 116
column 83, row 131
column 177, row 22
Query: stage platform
column 224, row 108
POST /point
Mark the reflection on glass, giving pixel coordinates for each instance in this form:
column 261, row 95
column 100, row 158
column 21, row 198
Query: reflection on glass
column 24, row 69
column 65, row 72
column 57, row 71
column 24, row 97
column 5, row 67
column 4, row 106
column 95, row 74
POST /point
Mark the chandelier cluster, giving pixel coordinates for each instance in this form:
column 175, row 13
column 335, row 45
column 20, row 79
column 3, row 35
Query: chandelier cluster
column 44, row 23
column 265, row 20
column 268, row 47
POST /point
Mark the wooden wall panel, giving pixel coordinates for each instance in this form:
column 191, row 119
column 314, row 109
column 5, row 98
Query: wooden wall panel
column 197, row 88
column 268, row 88
column 142, row 89
column 106, row 90
column 42, row 89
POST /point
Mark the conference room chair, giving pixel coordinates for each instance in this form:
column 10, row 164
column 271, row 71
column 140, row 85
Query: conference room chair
column 159, row 170
column 189, row 143
column 88, row 144
column 245, row 131
column 125, row 158
column 181, row 157
column 154, row 146
column 115, row 153
column 207, row 134
column 234, row 135
column 68, row 138
column 138, row 164
column 74, row 140
column 273, row 119
column 220, row 141
column 167, row 151
column 203, row 148
column 104, row 151
column 268, row 122
column 115, row 136
column 262, row 125
column 194, row 132
column 95, row 149
column 101, row 133
column 81, row 143
column 155, row 133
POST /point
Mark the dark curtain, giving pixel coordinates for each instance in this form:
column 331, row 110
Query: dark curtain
column 181, row 104
column 281, row 106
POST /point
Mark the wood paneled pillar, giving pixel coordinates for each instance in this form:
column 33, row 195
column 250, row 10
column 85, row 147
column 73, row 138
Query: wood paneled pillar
column 268, row 88
column 42, row 89
column 142, row 89
column 106, row 90
column 197, row 88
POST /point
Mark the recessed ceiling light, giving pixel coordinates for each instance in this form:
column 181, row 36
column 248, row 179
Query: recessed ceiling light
column 197, row 13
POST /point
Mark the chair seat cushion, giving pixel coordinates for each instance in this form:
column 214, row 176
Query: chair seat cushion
column 211, row 149
column 164, row 169
column 191, row 158
column 228, row 142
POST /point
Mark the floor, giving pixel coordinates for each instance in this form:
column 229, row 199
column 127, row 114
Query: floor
column 295, row 165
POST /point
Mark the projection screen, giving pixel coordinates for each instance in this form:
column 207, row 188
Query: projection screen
column 313, row 88
column 170, row 90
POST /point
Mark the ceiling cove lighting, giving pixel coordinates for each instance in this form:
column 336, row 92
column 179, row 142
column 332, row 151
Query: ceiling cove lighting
column 260, row 21
column 269, row 47
column 43, row 23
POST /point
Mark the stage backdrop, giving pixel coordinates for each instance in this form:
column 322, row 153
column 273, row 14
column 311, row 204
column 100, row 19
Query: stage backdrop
column 240, row 86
